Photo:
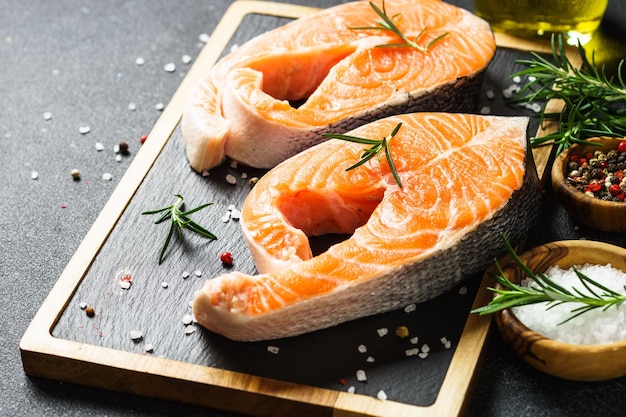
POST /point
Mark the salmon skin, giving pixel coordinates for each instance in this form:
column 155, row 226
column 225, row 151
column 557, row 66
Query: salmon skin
column 465, row 179
column 245, row 107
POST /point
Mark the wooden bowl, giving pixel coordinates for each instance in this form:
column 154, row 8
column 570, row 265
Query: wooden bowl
column 564, row 360
column 609, row 216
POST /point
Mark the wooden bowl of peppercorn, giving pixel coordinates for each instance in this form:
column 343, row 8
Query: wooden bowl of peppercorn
column 587, row 179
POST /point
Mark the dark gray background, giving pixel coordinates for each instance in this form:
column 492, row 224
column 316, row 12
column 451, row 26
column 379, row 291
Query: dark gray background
column 76, row 59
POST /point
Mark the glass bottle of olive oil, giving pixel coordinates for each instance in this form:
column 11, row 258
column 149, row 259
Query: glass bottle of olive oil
column 577, row 19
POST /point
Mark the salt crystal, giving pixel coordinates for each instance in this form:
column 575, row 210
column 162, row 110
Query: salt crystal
column 425, row 348
column 198, row 273
column 99, row 146
column 360, row 375
column 139, row 61
column 170, row 67
column 231, row 179
column 189, row 330
column 185, row 274
column 205, row 173
column 187, row 319
column 118, row 158
column 463, row 290
column 351, row 390
column 597, row 326
column 149, row 348
column 362, row 348
column 410, row 308
column 34, row 175
column 204, row 38
column 234, row 48
column 412, row 352
column 165, row 284
column 485, row 110
column 235, row 214
column 381, row 395
column 244, row 175
column 226, row 217
column 47, row 115
column 82, row 305
column 382, row 331
column 414, row 340
column 84, row 130
column 423, row 355
column 159, row 106
column 370, row 359
column 517, row 79
column 136, row 335
column 186, row 59
column 125, row 285
column 233, row 164
column 490, row 94
column 107, row 176
column 132, row 106
column 273, row 349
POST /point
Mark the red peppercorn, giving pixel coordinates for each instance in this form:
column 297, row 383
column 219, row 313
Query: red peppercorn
column 574, row 158
column 621, row 196
column 621, row 147
column 143, row 138
column 594, row 186
column 615, row 189
column 226, row 258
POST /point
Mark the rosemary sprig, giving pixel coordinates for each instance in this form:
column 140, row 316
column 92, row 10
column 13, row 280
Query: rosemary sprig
column 377, row 147
column 546, row 290
column 179, row 220
column 387, row 24
column 594, row 103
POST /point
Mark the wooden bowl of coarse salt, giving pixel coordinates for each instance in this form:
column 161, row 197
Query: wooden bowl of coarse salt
column 590, row 347
column 588, row 187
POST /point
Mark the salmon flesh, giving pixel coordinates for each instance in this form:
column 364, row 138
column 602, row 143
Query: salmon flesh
column 465, row 180
column 273, row 96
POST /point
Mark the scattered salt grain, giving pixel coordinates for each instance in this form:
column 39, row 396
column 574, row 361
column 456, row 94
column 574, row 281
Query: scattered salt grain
column 165, row 284
column 510, row 91
column 410, row 308
column 205, row 173
column 445, row 342
column 233, row 164
column 370, row 359
column 381, row 395
column 414, row 340
column 187, row 319
column 149, row 348
column 362, row 348
column 351, row 390
column 382, row 331
column 244, row 175
column 186, row 59
column 423, row 355
column 107, row 176
column 84, row 130
column 132, row 106
column 273, row 349
column 231, row 179
column 159, row 106
column 189, row 330
column 234, row 48
column 412, row 352
column 139, row 61
column 136, row 335
column 198, row 273
column 82, row 305
column 47, row 115
column 118, row 158
column 425, row 348
column 463, row 290
column 34, row 175
column 185, row 274
column 360, row 375
column 226, row 217
column 125, row 285
column 99, row 146
column 490, row 94
column 597, row 326
column 485, row 110
column 204, row 38
column 170, row 67
column 517, row 79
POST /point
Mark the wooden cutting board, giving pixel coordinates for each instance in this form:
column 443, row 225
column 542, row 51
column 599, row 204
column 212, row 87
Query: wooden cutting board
column 428, row 373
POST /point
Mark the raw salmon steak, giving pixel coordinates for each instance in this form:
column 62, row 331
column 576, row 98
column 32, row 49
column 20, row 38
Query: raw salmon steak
column 273, row 96
column 465, row 180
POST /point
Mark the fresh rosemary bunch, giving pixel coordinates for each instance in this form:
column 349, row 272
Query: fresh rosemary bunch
column 594, row 104
column 377, row 146
column 179, row 220
column 386, row 23
column 546, row 290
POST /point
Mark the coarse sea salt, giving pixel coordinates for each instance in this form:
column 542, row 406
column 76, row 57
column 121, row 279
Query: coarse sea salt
column 597, row 326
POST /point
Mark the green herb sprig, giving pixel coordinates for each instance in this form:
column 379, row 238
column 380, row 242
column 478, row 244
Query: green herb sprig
column 386, row 23
column 546, row 290
column 375, row 150
column 594, row 103
column 179, row 220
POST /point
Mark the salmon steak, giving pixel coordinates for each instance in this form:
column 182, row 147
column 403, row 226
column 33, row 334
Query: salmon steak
column 464, row 180
column 328, row 72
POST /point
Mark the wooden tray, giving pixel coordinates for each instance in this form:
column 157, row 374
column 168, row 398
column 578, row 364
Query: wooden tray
column 307, row 375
